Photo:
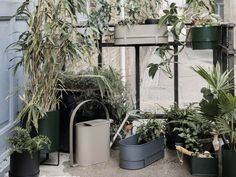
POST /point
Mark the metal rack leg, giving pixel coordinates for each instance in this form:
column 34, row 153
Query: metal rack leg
column 176, row 75
column 137, row 73
column 47, row 158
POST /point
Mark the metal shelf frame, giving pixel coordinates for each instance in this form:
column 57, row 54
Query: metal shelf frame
column 224, row 54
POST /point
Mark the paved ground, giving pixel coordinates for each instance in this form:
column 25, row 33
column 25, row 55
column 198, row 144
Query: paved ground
column 167, row 167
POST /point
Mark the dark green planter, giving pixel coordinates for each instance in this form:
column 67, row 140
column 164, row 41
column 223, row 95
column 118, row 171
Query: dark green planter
column 228, row 163
column 49, row 126
column 204, row 166
column 205, row 37
column 24, row 164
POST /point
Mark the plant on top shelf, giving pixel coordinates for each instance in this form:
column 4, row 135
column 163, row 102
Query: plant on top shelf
column 152, row 10
column 199, row 14
column 138, row 11
column 100, row 17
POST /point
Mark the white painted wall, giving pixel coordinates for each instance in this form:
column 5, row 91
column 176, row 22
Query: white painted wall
column 230, row 14
column 9, row 32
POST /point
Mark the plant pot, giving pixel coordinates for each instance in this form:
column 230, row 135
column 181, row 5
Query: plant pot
column 205, row 37
column 140, row 34
column 136, row 156
column 49, row 126
column 151, row 21
column 204, row 166
column 228, row 163
column 24, row 165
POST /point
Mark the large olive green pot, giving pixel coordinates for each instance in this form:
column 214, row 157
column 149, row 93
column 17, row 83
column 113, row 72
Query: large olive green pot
column 228, row 163
column 49, row 126
column 206, row 37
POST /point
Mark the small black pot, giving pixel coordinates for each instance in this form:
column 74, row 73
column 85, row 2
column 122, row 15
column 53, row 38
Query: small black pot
column 151, row 21
column 24, row 165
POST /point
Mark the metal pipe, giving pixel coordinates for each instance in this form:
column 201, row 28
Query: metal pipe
column 176, row 76
column 122, row 49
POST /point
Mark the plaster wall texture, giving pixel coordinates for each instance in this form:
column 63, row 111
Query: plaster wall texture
column 230, row 14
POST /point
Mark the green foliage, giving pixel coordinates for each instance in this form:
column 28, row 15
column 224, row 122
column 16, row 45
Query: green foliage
column 50, row 41
column 103, row 84
column 196, row 13
column 100, row 16
column 217, row 80
column 152, row 130
column 219, row 83
column 190, row 137
column 21, row 141
column 193, row 129
column 137, row 11
column 226, row 123
column 189, row 124
column 175, row 113
column 164, row 53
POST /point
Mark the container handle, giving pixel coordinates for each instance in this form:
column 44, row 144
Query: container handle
column 72, row 162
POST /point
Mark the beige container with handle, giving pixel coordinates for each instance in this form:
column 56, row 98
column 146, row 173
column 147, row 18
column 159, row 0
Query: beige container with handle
column 92, row 142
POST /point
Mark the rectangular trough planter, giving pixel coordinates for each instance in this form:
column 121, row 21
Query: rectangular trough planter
column 203, row 166
column 141, row 34
column 136, row 156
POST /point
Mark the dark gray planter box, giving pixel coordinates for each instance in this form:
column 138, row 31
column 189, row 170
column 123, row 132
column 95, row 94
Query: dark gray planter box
column 204, row 166
column 136, row 156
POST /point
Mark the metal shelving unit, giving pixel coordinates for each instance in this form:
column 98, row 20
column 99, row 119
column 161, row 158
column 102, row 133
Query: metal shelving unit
column 224, row 54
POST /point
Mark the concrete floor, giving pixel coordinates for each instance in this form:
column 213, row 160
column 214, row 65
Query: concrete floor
column 167, row 167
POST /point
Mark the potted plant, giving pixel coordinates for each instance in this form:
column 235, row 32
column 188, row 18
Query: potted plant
column 132, row 30
column 195, row 16
column 151, row 10
column 226, row 124
column 205, row 25
column 49, row 43
column 24, row 151
column 145, row 147
column 102, row 84
column 218, row 83
column 196, row 133
column 174, row 118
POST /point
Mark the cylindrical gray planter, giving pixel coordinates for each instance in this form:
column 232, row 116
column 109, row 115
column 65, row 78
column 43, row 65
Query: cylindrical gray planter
column 136, row 156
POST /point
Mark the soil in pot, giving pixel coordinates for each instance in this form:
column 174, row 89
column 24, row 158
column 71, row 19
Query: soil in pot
column 24, row 165
column 151, row 21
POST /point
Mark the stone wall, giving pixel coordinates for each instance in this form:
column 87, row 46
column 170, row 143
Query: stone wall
column 230, row 14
